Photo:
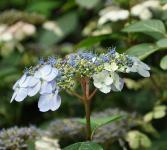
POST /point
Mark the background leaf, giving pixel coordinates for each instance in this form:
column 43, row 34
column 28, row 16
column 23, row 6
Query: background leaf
column 142, row 50
column 87, row 3
column 154, row 28
column 163, row 63
column 162, row 43
column 84, row 146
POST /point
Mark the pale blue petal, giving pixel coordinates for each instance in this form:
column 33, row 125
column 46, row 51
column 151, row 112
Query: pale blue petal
column 22, row 79
column 55, row 103
column 54, row 85
column 21, row 94
column 51, row 75
column 34, row 90
column 45, row 70
column 33, row 81
column 13, row 96
column 44, row 102
column 46, row 87
column 16, row 84
column 25, row 83
column 37, row 74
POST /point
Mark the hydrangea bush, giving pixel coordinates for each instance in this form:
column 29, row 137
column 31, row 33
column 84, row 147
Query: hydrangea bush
column 51, row 76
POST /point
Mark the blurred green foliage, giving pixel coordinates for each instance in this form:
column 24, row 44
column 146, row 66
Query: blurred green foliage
column 33, row 29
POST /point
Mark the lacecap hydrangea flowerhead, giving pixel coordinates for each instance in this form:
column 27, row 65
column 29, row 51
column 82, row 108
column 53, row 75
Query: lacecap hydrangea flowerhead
column 51, row 76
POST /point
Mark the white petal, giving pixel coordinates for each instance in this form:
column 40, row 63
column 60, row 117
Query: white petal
column 34, row 90
column 97, row 84
column 108, row 80
column 143, row 72
column 46, row 87
column 51, row 75
column 55, row 103
column 21, row 94
column 44, row 102
column 93, row 59
column 133, row 68
column 105, row 89
column 145, row 66
column 118, row 85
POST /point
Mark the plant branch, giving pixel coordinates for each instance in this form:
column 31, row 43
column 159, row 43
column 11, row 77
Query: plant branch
column 92, row 94
column 77, row 95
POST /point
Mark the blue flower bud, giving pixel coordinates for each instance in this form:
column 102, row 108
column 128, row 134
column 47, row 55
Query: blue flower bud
column 105, row 58
column 52, row 61
column 41, row 61
column 112, row 51
column 97, row 63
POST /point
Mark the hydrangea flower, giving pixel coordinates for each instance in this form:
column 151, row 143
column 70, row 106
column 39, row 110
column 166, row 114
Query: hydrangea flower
column 25, row 86
column 103, row 81
column 139, row 67
column 51, row 76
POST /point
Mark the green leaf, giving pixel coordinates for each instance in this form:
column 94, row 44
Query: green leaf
column 154, row 28
column 163, row 63
column 159, row 114
column 98, row 122
column 48, row 38
column 142, row 50
column 7, row 71
column 43, row 7
column 137, row 140
column 148, row 117
column 84, row 146
column 162, row 43
column 145, row 141
column 163, row 1
column 90, row 41
column 88, row 3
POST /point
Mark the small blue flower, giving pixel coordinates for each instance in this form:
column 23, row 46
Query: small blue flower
column 26, row 71
column 72, row 63
column 86, row 55
column 72, row 56
column 97, row 63
column 112, row 51
column 105, row 58
column 52, row 61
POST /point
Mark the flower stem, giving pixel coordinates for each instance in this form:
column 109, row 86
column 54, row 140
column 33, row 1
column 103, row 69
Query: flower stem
column 88, row 122
column 86, row 101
